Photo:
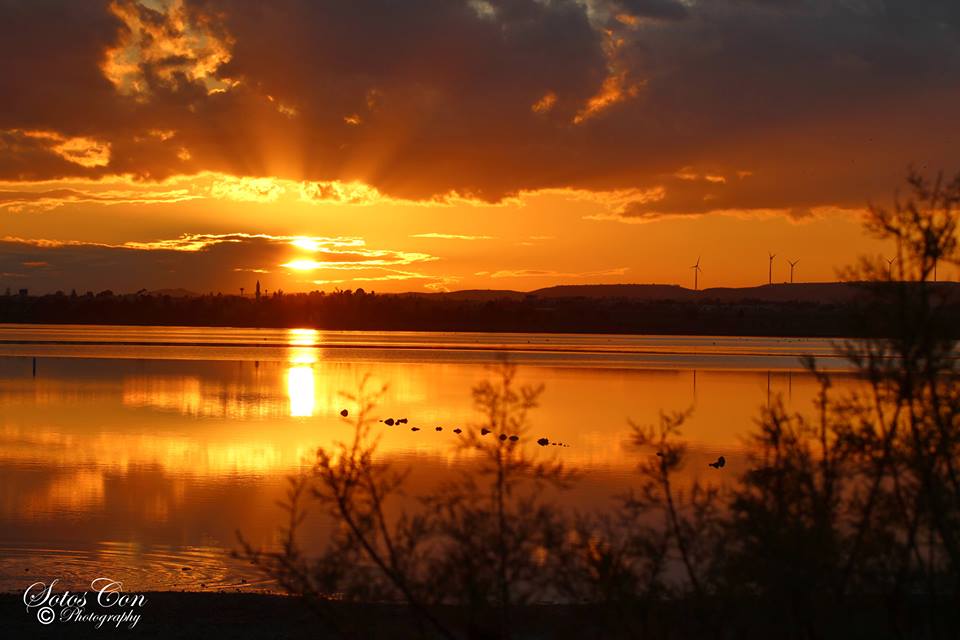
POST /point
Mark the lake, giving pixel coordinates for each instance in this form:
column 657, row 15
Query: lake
column 139, row 452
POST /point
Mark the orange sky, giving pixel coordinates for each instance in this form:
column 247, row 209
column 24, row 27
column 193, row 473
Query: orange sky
column 441, row 145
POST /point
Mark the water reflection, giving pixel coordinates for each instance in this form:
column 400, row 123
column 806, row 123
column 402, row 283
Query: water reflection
column 211, row 418
column 183, row 395
column 301, row 389
column 149, row 460
column 301, row 386
column 303, row 337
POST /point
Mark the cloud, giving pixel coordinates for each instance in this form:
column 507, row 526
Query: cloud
column 164, row 45
column 548, row 273
column 618, row 85
column 47, row 199
column 247, row 189
column 435, row 283
column 39, row 150
column 44, row 195
column 658, row 9
column 85, row 152
column 442, row 285
column 356, row 103
column 689, row 193
column 545, row 103
column 450, row 236
column 335, row 192
column 209, row 262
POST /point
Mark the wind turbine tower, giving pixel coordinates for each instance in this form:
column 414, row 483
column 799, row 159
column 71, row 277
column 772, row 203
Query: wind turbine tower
column 770, row 269
column 793, row 263
column 696, row 272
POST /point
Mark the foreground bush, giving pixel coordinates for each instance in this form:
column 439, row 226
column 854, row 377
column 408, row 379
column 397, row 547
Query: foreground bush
column 845, row 525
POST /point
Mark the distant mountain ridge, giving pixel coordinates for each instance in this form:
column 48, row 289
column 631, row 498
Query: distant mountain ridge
column 820, row 292
column 801, row 292
column 805, row 292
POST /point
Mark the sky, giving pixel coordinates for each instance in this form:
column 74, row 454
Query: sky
column 437, row 145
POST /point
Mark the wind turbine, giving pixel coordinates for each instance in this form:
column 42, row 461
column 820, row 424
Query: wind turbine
column 793, row 263
column 770, row 269
column 696, row 272
column 890, row 262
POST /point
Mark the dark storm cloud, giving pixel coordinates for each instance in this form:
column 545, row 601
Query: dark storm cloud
column 671, row 9
column 50, row 52
column 824, row 102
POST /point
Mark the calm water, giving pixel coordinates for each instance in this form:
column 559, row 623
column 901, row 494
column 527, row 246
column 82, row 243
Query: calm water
column 138, row 452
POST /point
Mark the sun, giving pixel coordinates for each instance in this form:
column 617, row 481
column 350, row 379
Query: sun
column 302, row 265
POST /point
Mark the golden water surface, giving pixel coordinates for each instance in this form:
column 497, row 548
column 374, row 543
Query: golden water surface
column 138, row 453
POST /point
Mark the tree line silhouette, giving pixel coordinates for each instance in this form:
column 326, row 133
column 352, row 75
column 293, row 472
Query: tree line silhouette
column 359, row 310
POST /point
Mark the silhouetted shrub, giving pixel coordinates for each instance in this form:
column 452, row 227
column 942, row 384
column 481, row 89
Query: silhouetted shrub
column 846, row 524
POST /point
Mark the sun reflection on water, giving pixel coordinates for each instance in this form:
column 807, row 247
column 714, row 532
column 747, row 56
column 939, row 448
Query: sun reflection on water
column 300, row 388
column 301, row 384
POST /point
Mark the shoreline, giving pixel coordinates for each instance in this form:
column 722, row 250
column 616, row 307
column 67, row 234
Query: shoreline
column 566, row 331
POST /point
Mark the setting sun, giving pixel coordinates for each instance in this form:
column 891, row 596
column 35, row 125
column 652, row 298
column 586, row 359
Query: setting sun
column 302, row 265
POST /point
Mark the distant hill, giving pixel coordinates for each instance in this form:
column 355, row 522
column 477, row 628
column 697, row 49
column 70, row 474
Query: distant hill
column 805, row 292
column 629, row 291
column 474, row 295
column 815, row 292
column 818, row 292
